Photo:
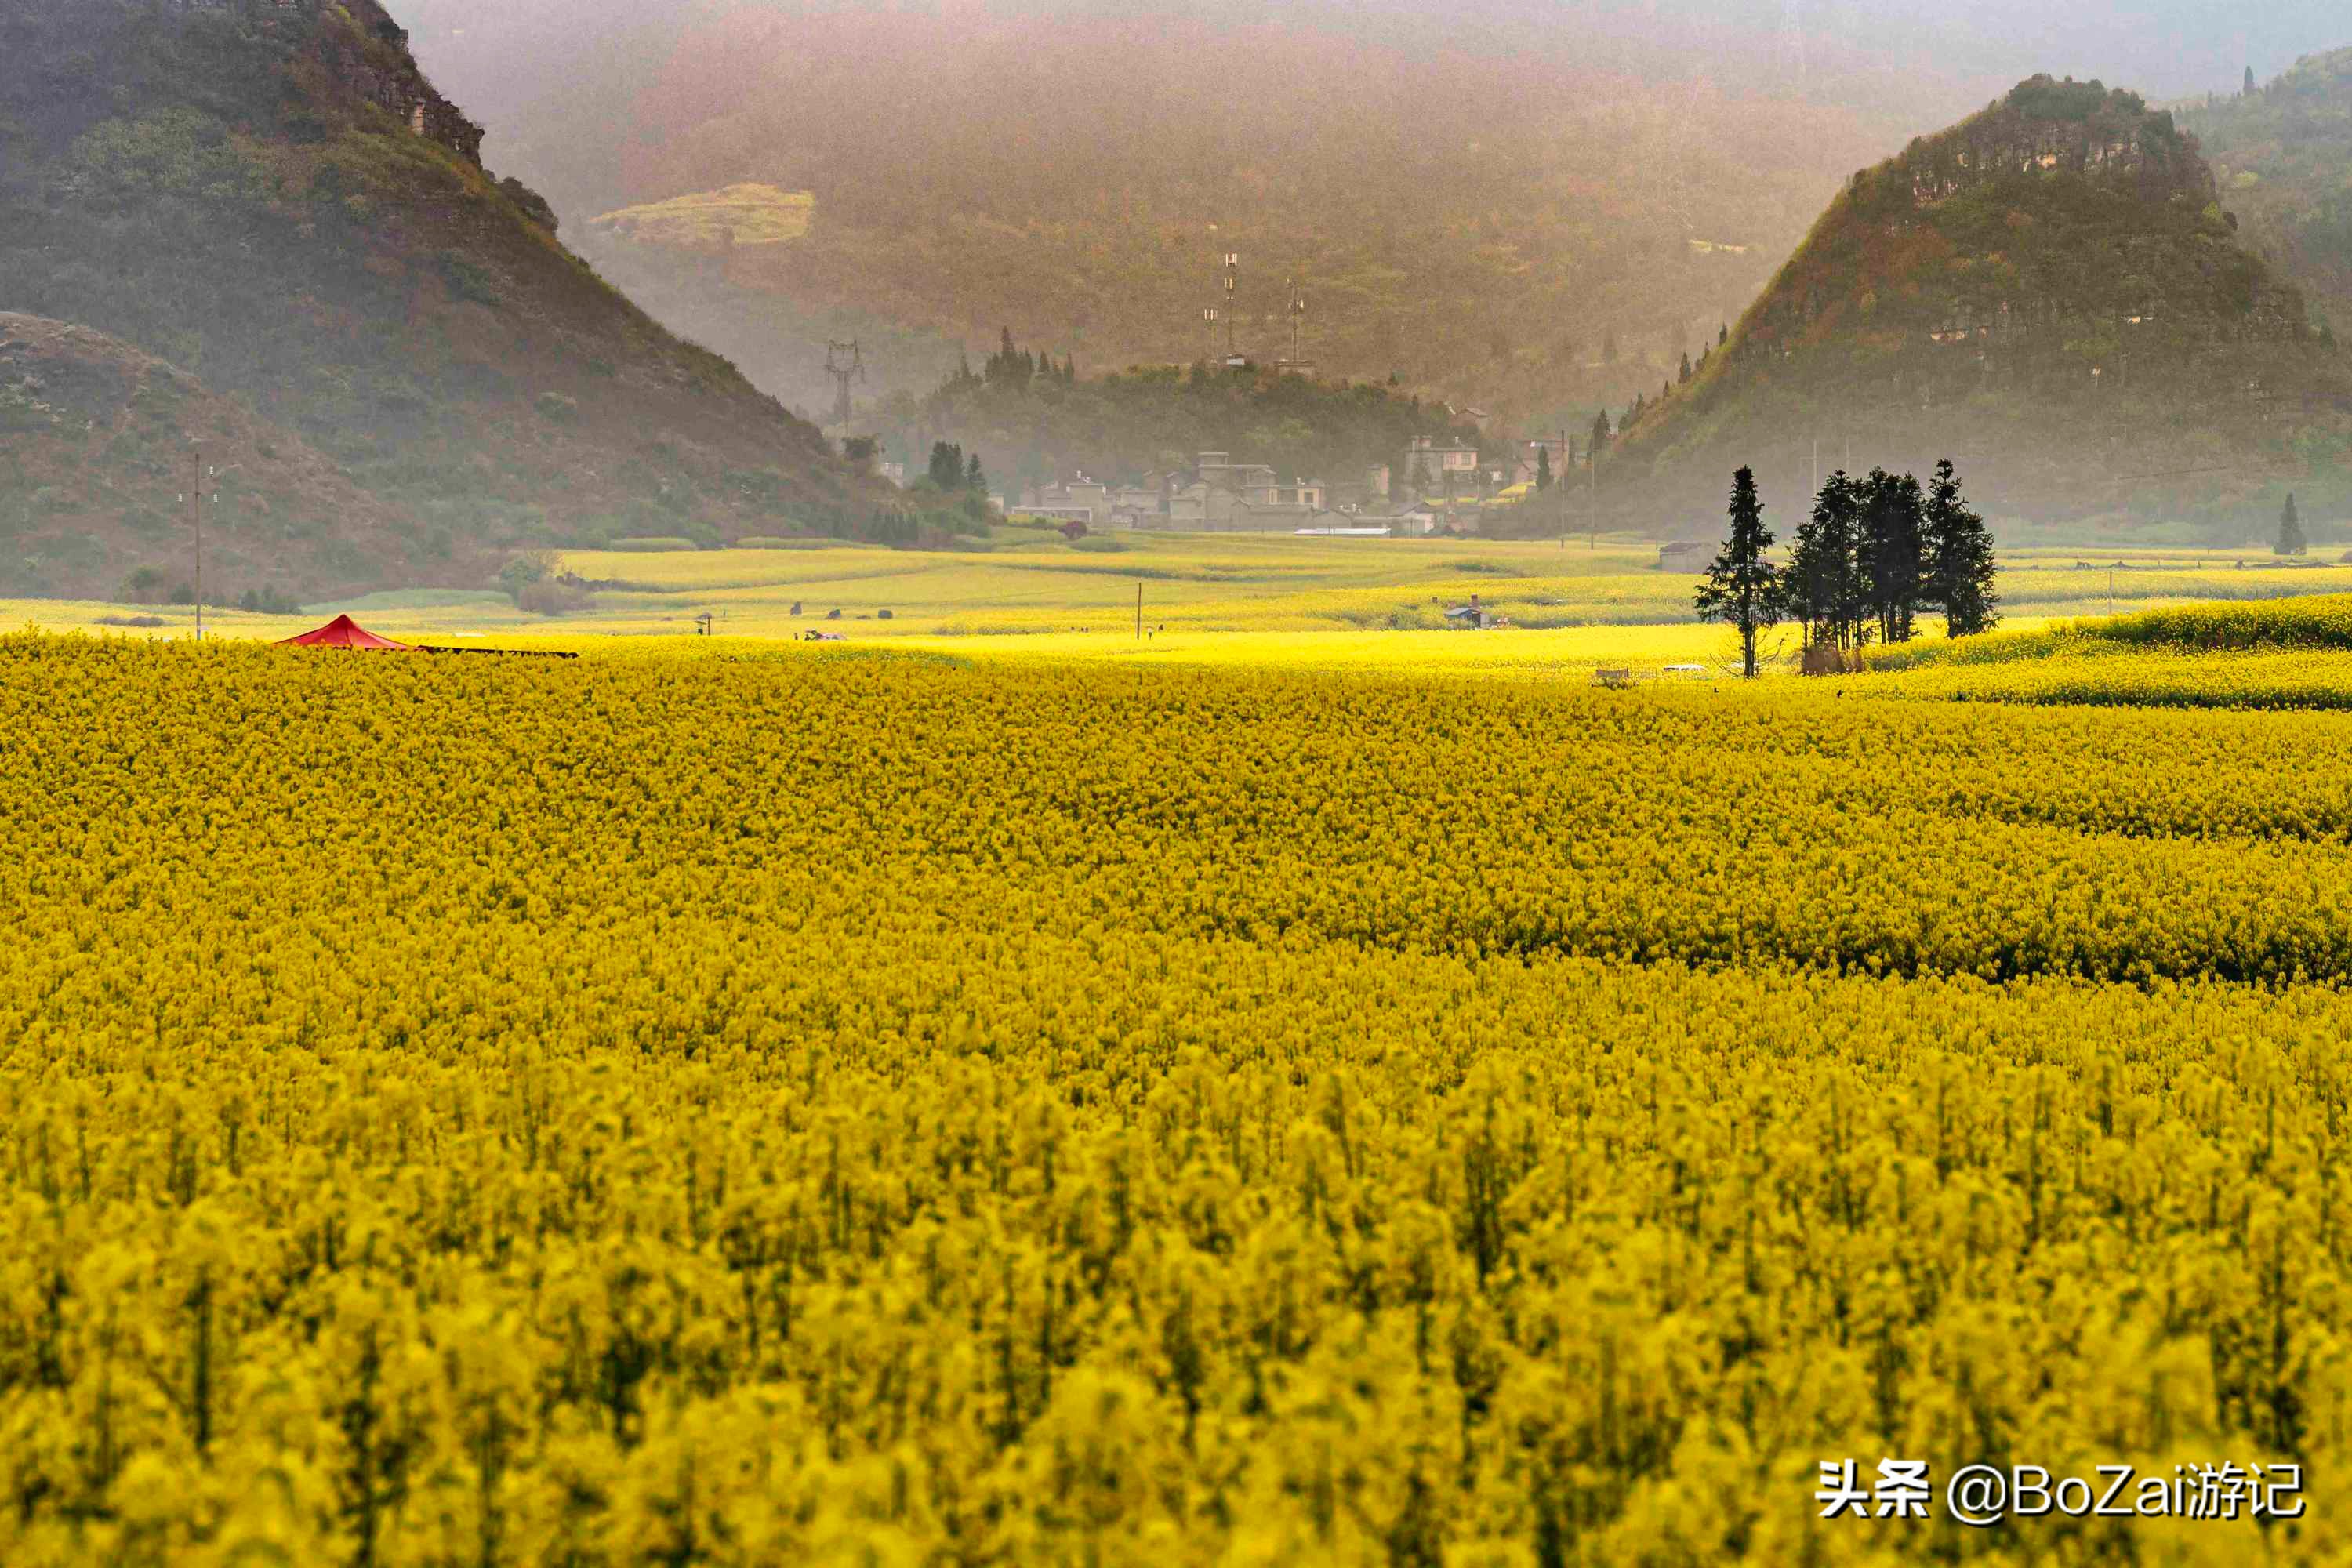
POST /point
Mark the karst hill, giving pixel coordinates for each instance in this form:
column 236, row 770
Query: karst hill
column 2051, row 293
column 271, row 199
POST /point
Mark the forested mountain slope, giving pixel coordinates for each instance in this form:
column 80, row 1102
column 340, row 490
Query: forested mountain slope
column 2050, row 293
column 272, row 198
column 2284, row 158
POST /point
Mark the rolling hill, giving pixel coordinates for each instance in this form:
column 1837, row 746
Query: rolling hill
column 274, row 200
column 95, row 449
column 2050, row 293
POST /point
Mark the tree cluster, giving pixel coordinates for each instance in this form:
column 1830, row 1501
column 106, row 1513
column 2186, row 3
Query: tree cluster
column 1126, row 428
column 1876, row 554
column 952, row 472
column 1017, row 368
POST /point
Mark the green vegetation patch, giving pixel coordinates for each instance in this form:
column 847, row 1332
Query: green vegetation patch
column 739, row 214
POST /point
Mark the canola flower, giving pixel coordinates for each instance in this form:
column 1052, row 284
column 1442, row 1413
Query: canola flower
column 754, row 1109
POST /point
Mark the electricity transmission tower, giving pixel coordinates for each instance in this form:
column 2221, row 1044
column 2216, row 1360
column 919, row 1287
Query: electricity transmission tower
column 845, row 362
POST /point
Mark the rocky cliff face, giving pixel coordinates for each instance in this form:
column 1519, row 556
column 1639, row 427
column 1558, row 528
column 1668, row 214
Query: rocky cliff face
column 369, row 61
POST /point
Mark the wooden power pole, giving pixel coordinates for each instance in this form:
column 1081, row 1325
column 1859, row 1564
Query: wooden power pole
column 196, row 515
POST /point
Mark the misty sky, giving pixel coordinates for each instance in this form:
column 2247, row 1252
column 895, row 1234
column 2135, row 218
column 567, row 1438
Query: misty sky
column 540, row 73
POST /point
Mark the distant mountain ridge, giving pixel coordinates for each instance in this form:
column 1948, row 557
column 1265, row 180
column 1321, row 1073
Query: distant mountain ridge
column 2284, row 156
column 275, row 200
column 1520, row 232
column 2052, row 294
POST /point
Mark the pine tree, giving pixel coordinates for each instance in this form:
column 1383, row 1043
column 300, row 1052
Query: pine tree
column 1601, row 431
column 974, row 479
column 1722, row 335
column 1686, row 369
column 946, row 471
column 1742, row 587
column 1893, row 550
column 1824, row 576
column 1959, row 554
column 1543, row 467
column 2291, row 540
column 2250, row 82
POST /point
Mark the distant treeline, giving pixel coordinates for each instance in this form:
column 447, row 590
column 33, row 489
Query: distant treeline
column 1037, row 419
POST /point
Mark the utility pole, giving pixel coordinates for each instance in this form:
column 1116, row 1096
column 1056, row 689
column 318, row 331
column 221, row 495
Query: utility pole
column 1568, row 454
column 197, row 516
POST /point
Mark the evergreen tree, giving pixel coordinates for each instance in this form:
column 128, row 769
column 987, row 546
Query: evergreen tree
column 1824, row 579
column 1894, row 523
column 1686, row 368
column 1543, row 467
column 1601, row 431
column 1009, row 366
column 1742, row 587
column 1959, row 554
column 2250, row 82
column 2291, row 541
column 974, row 479
column 946, row 471
column 1722, row 335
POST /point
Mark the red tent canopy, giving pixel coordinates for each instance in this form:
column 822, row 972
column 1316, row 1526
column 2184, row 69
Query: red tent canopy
column 345, row 632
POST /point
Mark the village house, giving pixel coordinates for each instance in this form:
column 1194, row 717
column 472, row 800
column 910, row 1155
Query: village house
column 1081, row 500
column 1427, row 464
column 1526, row 460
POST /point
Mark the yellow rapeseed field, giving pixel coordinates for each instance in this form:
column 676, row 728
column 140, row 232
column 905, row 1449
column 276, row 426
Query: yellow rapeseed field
column 793, row 1105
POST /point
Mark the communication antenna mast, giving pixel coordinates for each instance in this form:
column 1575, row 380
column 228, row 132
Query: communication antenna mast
column 1233, row 284
column 1209, row 318
column 1298, row 330
column 845, row 362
